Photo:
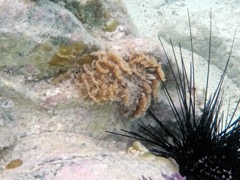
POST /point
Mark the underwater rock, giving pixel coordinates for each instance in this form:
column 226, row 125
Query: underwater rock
column 169, row 20
column 102, row 18
column 30, row 33
column 129, row 45
column 223, row 31
column 40, row 43
column 70, row 155
column 6, row 138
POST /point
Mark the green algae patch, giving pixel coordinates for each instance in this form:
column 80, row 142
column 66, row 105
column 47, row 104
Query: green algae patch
column 66, row 54
column 72, row 54
column 112, row 26
column 22, row 56
column 91, row 13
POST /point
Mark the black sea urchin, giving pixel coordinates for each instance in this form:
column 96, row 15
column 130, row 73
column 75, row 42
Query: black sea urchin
column 205, row 146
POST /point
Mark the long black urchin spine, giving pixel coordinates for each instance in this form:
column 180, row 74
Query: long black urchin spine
column 205, row 146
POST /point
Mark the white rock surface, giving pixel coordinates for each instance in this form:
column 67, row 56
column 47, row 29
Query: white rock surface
column 170, row 20
column 73, row 156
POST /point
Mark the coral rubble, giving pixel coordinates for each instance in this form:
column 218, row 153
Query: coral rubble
column 131, row 82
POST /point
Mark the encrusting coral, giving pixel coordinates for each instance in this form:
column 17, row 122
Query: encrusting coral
column 110, row 78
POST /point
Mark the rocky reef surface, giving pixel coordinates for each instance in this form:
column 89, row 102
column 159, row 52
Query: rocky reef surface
column 48, row 131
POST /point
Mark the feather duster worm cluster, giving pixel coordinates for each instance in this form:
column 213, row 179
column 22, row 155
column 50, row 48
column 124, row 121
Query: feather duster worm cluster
column 104, row 77
column 110, row 78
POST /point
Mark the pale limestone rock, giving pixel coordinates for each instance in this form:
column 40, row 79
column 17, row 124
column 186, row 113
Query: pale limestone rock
column 37, row 115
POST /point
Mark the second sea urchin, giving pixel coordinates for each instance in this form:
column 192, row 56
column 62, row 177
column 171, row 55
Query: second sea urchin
column 205, row 146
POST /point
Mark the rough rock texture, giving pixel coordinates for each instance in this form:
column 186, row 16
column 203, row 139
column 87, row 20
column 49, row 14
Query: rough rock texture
column 73, row 156
column 45, row 127
column 169, row 19
column 44, row 123
column 31, row 31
